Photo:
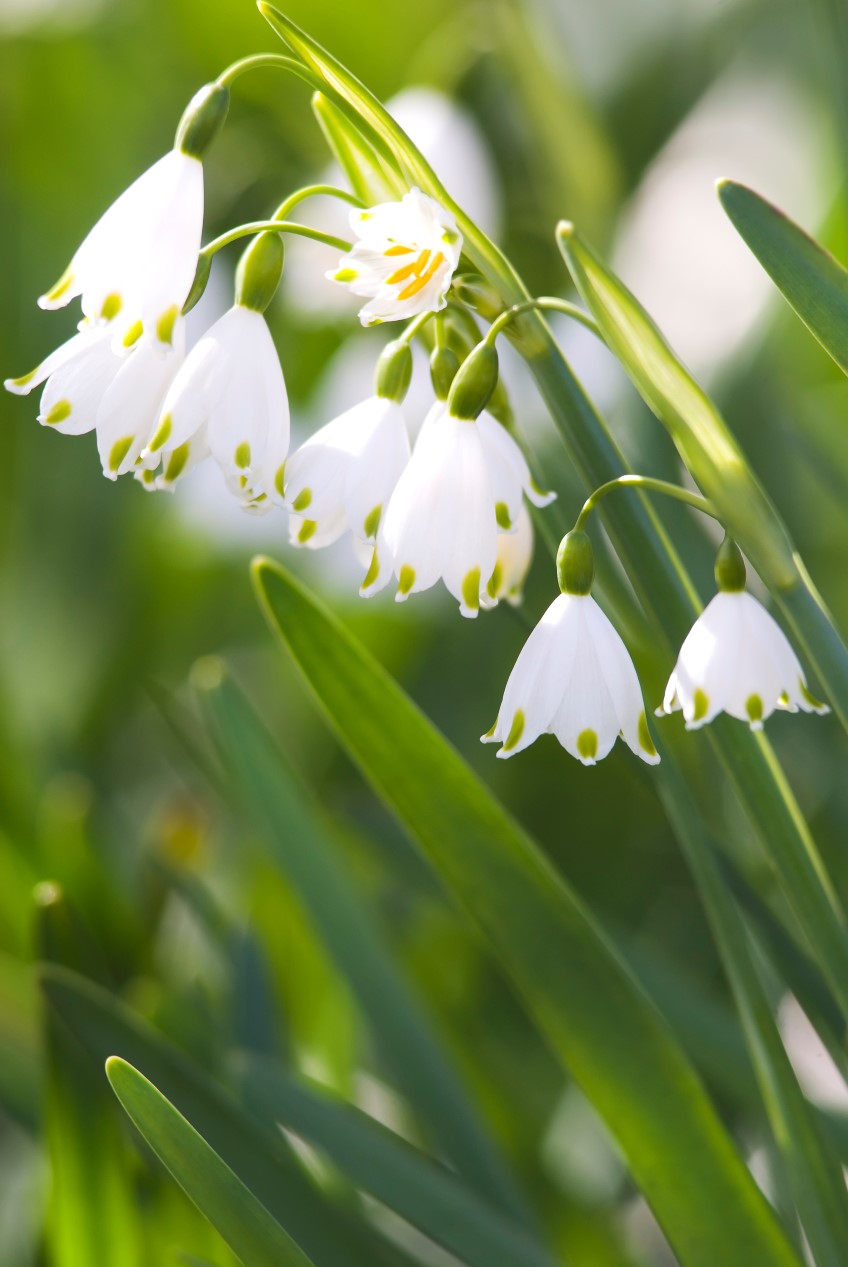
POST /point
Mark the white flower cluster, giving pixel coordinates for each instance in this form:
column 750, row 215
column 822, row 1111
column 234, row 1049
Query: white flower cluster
column 452, row 508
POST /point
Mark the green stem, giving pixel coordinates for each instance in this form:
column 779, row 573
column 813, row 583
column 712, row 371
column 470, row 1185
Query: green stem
column 277, row 60
column 650, row 485
column 274, row 226
column 549, row 302
column 409, row 333
column 314, row 191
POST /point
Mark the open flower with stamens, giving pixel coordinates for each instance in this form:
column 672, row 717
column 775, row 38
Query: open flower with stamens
column 138, row 262
column 574, row 677
column 90, row 384
column 463, row 485
column 736, row 659
column 229, row 393
column 404, row 260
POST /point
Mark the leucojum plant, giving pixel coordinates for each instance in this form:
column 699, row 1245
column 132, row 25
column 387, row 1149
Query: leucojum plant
column 455, row 508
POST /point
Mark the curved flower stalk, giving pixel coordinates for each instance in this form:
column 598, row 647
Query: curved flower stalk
column 230, row 394
column 574, row 677
column 736, row 659
column 138, row 262
column 404, row 260
column 92, row 385
column 342, row 476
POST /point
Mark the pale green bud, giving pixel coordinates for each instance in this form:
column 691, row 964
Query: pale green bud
column 444, row 366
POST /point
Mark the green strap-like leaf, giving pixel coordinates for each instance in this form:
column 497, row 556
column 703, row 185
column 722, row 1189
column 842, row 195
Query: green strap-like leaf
column 259, row 1156
column 299, row 843
column 594, row 1016
column 379, row 1162
column 810, row 279
column 230, row 1207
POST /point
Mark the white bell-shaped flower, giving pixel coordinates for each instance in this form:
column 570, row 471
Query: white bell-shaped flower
column 404, row 260
column 736, row 659
column 344, row 474
column 90, row 384
column 574, row 678
column 139, row 260
column 462, row 486
column 230, row 391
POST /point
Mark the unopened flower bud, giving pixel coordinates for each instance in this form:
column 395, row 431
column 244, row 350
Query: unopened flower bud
column 444, row 366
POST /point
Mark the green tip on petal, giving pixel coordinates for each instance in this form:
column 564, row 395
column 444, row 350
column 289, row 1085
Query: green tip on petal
column 242, row 455
column 516, row 730
column 702, row 705
column 307, row 529
column 372, row 521
column 345, row 275
column 754, row 709
column 818, row 705
column 165, row 324
column 279, row 479
column 133, row 334
column 494, row 582
column 502, row 516
column 302, row 500
column 176, row 463
column 372, row 573
column 112, row 305
column 471, row 589
column 406, row 579
column 119, row 451
column 63, row 285
column 646, row 743
column 587, row 745
column 162, row 433
column 22, row 381
column 60, row 411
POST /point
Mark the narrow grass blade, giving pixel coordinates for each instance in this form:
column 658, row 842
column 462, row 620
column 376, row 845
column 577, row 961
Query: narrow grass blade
column 813, row 283
column 594, row 1016
column 257, row 1154
column 300, row 844
column 383, row 1164
column 221, row 1197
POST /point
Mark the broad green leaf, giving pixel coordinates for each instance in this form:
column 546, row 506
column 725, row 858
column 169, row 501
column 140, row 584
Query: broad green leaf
column 584, row 1000
column 230, row 1207
column 300, row 844
column 383, row 1164
column 810, row 279
column 258, row 1155
column 714, row 460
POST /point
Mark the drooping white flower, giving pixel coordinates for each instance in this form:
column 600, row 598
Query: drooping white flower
column 92, row 384
column 463, row 485
column 574, row 678
column 230, row 393
column 404, row 260
column 736, row 659
column 138, row 262
column 515, row 554
column 343, row 476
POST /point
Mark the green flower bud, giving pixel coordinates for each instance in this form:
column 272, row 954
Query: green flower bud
column 203, row 119
column 480, row 295
column 575, row 563
column 394, row 371
column 444, row 366
column 201, row 278
column 259, row 271
column 730, row 567
column 475, row 381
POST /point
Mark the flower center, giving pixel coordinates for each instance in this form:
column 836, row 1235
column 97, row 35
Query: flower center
column 422, row 270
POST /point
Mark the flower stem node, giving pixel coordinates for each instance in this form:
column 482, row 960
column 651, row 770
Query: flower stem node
column 474, row 383
column 444, row 367
column 202, row 120
column 259, row 272
column 575, row 563
column 394, row 371
column 574, row 678
column 729, row 567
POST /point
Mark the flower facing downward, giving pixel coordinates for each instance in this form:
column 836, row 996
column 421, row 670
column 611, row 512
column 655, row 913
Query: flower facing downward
column 138, row 262
column 515, row 554
column 229, row 398
column 574, row 678
column 404, row 260
column 463, row 485
column 736, row 659
column 344, row 474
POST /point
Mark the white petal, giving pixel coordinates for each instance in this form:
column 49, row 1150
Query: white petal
column 515, row 554
column 586, row 722
column 130, row 406
column 372, row 475
column 72, row 395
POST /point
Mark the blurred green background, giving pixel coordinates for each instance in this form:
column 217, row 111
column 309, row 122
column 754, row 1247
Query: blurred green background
column 614, row 115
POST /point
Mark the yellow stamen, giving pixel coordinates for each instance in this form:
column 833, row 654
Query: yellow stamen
column 398, row 250
column 421, row 281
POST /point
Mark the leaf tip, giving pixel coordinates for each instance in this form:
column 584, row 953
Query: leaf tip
column 565, row 230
